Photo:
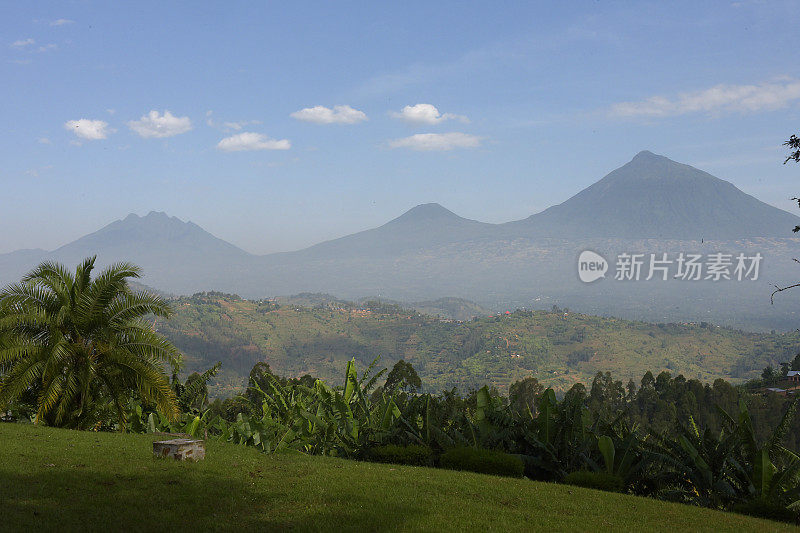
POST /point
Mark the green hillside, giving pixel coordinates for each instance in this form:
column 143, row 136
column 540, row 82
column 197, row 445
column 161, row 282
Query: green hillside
column 84, row 481
column 558, row 347
column 453, row 308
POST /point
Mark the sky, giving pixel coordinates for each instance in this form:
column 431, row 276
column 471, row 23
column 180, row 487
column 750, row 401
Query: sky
column 279, row 125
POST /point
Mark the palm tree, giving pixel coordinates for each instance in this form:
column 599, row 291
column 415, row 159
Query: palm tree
column 81, row 346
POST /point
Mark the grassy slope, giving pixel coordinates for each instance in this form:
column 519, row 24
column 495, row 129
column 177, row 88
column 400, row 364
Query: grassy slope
column 558, row 349
column 57, row 479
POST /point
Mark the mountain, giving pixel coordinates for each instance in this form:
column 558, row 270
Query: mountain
column 154, row 240
column 420, row 227
column 153, row 234
column 657, row 198
column 176, row 256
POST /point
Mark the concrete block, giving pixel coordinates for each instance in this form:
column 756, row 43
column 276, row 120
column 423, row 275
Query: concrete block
column 180, row 449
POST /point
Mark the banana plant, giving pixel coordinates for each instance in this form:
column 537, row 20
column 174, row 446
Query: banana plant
column 696, row 466
column 325, row 420
column 560, row 437
column 193, row 394
column 768, row 472
column 621, row 456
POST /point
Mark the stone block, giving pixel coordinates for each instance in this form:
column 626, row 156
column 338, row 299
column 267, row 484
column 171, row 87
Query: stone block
column 180, row 449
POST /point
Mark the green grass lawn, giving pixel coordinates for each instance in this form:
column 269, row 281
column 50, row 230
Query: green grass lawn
column 67, row 480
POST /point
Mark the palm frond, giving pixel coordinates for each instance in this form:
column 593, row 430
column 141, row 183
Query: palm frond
column 198, row 384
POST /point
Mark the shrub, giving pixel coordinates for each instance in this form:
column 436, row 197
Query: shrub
column 402, row 455
column 482, row 461
column 595, row 480
column 766, row 509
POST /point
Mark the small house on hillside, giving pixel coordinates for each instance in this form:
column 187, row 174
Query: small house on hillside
column 793, row 376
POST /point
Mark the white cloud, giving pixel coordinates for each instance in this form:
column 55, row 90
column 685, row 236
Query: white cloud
column 35, row 172
column 252, row 141
column 61, row 22
column 236, row 126
column 154, row 125
column 229, row 126
column 27, row 44
column 91, row 130
column 717, row 99
column 437, row 141
column 425, row 114
column 340, row 114
column 44, row 140
column 22, row 43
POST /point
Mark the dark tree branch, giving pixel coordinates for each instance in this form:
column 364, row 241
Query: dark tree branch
column 781, row 289
column 794, row 144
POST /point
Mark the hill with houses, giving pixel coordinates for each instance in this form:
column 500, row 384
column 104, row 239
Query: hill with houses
column 559, row 347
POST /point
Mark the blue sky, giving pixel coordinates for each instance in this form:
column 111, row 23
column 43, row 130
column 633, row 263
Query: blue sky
column 294, row 123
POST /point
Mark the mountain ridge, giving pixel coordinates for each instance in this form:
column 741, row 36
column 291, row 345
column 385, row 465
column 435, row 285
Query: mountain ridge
column 429, row 252
column 562, row 219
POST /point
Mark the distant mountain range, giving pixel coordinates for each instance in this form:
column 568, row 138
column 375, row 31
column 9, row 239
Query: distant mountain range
column 651, row 204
